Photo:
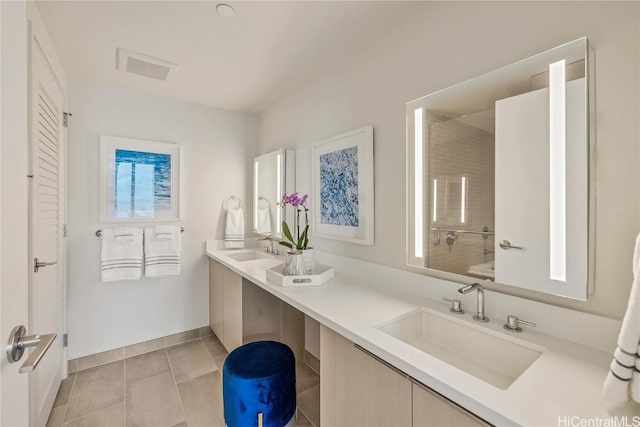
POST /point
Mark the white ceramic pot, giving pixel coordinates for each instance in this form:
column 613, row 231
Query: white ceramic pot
column 293, row 264
column 307, row 256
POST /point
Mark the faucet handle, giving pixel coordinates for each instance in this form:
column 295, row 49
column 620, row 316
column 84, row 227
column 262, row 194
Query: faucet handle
column 456, row 305
column 513, row 324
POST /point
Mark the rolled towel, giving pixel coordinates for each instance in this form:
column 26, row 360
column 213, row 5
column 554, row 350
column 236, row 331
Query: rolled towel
column 623, row 380
column 121, row 259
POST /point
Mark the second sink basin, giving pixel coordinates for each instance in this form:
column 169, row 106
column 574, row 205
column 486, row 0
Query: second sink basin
column 484, row 354
column 248, row 256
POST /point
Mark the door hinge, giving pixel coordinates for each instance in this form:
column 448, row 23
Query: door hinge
column 65, row 340
column 65, row 119
column 65, row 230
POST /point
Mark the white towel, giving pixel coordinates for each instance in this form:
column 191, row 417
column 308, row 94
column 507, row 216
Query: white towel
column 234, row 229
column 623, row 379
column 161, row 254
column 121, row 259
column 264, row 220
column 164, row 232
column 124, row 234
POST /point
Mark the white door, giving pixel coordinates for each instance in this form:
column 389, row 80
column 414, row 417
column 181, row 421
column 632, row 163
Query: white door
column 14, row 262
column 46, row 313
column 522, row 196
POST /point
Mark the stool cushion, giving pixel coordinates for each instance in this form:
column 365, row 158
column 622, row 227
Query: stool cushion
column 259, row 377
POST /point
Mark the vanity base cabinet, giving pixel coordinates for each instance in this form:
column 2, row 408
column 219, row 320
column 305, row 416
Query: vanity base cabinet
column 216, row 299
column 225, row 305
column 232, row 312
column 358, row 390
column 431, row 409
column 241, row 312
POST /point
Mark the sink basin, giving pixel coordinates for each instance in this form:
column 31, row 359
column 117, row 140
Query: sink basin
column 474, row 349
column 248, row 256
column 485, row 270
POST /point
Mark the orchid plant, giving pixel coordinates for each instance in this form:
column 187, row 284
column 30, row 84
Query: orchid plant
column 302, row 239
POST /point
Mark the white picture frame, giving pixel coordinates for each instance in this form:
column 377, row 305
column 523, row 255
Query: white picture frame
column 343, row 202
column 154, row 196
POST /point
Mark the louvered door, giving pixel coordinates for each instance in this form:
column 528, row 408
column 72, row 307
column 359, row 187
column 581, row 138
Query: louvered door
column 46, row 288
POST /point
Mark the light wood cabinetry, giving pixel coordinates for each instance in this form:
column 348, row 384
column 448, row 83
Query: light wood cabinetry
column 225, row 305
column 241, row 312
column 359, row 389
column 216, row 300
column 232, row 311
column 432, row 409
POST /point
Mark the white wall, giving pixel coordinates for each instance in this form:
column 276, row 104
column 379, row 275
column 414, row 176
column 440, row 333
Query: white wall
column 447, row 42
column 216, row 162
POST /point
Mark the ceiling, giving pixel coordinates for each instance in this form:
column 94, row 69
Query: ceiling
column 245, row 62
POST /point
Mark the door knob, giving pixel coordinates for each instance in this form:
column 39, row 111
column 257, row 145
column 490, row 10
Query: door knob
column 506, row 245
column 37, row 265
column 18, row 342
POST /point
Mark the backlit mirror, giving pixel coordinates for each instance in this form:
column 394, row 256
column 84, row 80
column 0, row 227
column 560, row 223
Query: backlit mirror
column 499, row 172
column 273, row 175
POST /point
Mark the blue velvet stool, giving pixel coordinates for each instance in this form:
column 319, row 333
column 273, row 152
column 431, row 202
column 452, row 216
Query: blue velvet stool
column 259, row 385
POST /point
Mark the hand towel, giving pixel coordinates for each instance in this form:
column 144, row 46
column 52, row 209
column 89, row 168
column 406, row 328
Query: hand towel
column 164, row 232
column 234, row 229
column 263, row 225
column 161, row 254
column 623, row 379
column 123, row 234
column 121, row 259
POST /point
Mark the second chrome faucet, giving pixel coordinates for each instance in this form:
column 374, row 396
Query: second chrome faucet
column 479, row 317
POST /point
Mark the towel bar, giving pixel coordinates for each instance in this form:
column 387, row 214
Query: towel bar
column 99, row 232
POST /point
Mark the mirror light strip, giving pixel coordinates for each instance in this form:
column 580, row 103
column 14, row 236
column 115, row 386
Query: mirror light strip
column 463, row 200
column 279, row 180
column 557, row 173
column 435, row 200
column 418, row 204
column 255, row 191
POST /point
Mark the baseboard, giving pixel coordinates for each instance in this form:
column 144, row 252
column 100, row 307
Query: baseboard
column 120, row 353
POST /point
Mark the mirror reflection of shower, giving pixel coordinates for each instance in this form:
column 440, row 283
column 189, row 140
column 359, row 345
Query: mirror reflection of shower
column 460, row 151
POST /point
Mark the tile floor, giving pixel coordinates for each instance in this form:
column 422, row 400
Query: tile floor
column 177, row 386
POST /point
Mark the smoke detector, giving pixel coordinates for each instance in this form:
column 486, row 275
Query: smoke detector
column 129, row 61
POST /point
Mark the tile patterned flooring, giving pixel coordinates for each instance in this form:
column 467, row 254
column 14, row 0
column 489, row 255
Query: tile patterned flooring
column 179, row 386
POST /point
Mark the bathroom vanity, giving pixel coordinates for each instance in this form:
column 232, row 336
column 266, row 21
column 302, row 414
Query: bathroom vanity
column 240, row 312
column 362, row 344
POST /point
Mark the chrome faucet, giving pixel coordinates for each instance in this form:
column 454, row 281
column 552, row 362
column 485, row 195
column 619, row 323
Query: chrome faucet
column 480, row 317
column 273, row 250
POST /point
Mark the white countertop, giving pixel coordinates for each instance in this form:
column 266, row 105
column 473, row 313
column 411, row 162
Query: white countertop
column 565, row 381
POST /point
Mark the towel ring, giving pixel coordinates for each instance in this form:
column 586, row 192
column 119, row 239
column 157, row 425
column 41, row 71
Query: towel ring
column 225, row 204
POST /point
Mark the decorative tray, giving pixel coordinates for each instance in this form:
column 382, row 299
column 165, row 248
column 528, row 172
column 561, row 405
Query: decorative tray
column 321, row 274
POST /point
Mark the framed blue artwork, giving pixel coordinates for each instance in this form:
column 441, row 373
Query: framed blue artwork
column 343, row 202
column 139, row 180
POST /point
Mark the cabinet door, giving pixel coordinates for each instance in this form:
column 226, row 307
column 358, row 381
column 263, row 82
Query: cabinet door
column 216, row 298
column 357, row 389
column 431, row 409
column 232, row 334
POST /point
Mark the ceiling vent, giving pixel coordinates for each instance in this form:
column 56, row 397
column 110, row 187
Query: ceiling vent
column 143, row 65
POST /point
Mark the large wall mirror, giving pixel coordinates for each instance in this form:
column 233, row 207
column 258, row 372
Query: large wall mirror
column 273, row 174
column 500, row 171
